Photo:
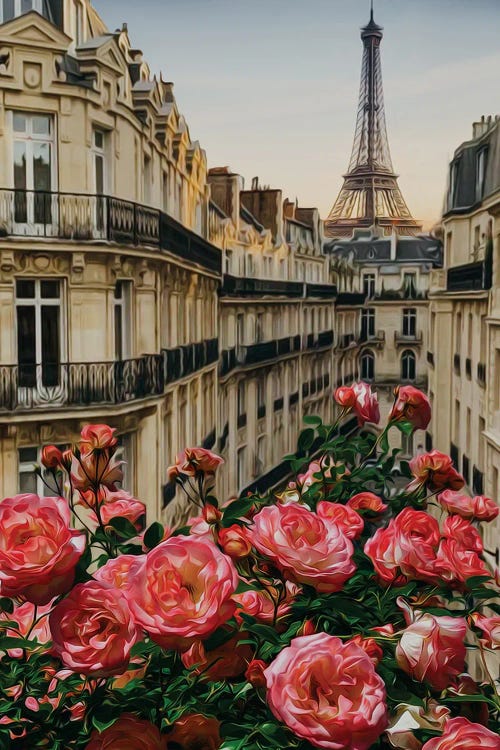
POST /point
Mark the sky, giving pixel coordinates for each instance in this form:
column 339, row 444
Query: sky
column 270, row 87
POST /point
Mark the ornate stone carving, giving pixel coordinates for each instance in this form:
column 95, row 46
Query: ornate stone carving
column 32, row 75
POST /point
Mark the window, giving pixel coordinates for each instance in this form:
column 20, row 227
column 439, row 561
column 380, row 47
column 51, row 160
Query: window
column 242, row 466
column 39, row 345
column 261, row 398
column 449, row 245
column 406, row 445
column 260, row 458
column 12, row 8
column 124, row 452
column 409, row 322
column 410, row 285
column 80, row 21
column 101, row 184
column 241, row 398
column 367, row 366
column 480, row 173
column 369, row 285
column 148, row 180
column 453, row 184
column 228, row 257
column 368, row 323
column 408, row 365
column 34, row 172
column 121, row 303
column 29, row 481
column 456, row 430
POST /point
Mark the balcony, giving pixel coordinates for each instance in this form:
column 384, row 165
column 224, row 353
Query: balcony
column 89, row 218
column 185, row 360
column 430, row 358
column 80, row 384
column 469, row 277
column 408, row 339
column 325, row 338
column 328, row 291
column 346, row 341
column 253, row 354
column 235, row 286
column 376, row 340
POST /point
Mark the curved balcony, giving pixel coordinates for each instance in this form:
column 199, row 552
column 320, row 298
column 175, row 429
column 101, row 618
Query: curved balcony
column 87, row 218
column 375, row 340
column 35, row 387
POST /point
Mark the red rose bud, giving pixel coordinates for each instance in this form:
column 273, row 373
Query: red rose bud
column 411, row 406
column 235, row 542
column 51, row 457
column 370, row 647
column 255, row 673
column 307, row 628
column 345, row 396
column 211, row 514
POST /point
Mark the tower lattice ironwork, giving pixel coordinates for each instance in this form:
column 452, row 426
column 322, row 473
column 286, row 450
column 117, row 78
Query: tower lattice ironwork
column 370, row 193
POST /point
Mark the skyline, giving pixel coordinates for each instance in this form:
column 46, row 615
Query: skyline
column 244, row 120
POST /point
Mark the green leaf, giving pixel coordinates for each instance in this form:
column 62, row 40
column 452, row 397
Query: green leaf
column 405, row 427
column 306, row 439
column 6, row 605
column 311, row 419
column 123, row 527
column 153, row 535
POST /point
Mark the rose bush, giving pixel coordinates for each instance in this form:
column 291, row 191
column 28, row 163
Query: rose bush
column 352, row 609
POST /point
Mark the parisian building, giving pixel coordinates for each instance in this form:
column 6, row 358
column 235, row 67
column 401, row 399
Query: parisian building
column 464, row 331
column 381, row 259
column 136, row 288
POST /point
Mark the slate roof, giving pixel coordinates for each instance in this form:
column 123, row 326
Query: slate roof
column 421, row 249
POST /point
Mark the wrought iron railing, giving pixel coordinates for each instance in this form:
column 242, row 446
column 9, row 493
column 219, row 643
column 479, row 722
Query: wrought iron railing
column 469, row 277
column 267, row 351
column 240, row 285
column 76, row 216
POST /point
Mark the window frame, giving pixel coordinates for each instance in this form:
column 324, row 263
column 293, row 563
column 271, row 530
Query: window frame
column 408, row 356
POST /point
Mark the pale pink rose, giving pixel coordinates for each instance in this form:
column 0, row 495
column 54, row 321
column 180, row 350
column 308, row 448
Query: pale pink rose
column 347, row 519
column 93, row 631
column 194, row 461
column 266, row 605
column 366, row 407
column 90, row 470
column 128, row 733
column 38, row 549
column 97, row 437
column 120, row 571
column 490, row 628
column 432, row 649
column 367, row 501
column 307, row 548
column 435, row 470
column 411, row 405
column 461, row 734
column 27, row 619
column 124, row 506
column 327, row 692
column 480, row 508
column 407, row 717
column 183, row 591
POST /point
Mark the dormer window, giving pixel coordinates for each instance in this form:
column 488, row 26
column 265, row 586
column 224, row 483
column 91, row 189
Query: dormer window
column 480, row 173
column 453, row 183
column 10, row 9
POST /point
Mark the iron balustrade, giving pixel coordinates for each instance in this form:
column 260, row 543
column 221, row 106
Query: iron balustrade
column 469, row 277
column 321, row 290
column 87, row 218
column 253, row 354
column 246, row 286
column 27, row 387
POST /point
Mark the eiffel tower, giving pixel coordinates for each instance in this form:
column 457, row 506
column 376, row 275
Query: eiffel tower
column 370, row 194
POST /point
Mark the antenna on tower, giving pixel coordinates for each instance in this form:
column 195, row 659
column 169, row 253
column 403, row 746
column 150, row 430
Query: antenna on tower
column 371, row 10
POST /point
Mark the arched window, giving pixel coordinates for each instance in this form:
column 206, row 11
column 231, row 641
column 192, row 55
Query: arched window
column 408, row 365
column 367, row 366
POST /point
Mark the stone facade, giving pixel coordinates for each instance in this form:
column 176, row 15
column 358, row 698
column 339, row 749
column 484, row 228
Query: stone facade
column 464, row 336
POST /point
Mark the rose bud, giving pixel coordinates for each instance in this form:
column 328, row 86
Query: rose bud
column 411, row 406
column 370, row 647
column 234, row 541
column 97, row 437
column 307, row 628
column 211, row 514
column 345, row 396
column 67, row 458
column 255, row 673
column 51, row 457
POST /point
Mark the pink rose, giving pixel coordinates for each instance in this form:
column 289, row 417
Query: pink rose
column 225, row 662
column 97, row 437
column 51, row 457
column 120, row 571
column 183, row 591
column 92, row 630
column 366, row 407
column 462, row 734
column 370, row 647
column 457, row 563
column 463, row 532
column 435, row 470
column 327, row 692
column 347, row 519
column 38, row 550
column 345, row 396
column 432, row 649
column 411, row 406
column 480, row 508
column 367, row 501
column 325, row 473
column 261, row 603
column 194, row 461
column 90, row 470
column 408, row 717
column 490, row 628
column 27, row 619
column 309, row 549
column 235, row 541
column 123, row 505
column 128, row 733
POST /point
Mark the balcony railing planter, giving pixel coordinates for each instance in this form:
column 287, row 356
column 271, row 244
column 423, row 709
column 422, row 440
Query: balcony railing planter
column 86, row 218
column 410, row 339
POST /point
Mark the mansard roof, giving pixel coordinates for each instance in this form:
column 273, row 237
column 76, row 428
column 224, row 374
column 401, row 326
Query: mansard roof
column 376, row 250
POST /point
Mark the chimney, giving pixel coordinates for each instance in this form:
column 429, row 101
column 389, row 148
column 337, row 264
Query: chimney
column 482, row 126
column 267, row 207
column 225, row 188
